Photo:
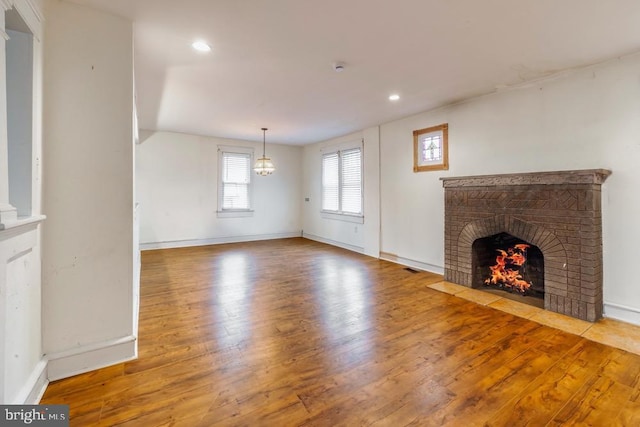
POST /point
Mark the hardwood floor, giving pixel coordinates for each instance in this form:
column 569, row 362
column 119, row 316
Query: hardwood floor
column 296, row 333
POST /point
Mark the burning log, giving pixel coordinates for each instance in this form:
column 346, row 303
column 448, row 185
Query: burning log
column 505, row 273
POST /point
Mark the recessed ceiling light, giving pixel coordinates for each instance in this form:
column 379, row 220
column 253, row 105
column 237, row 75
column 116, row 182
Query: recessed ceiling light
column 201, row 46
column 394, row 97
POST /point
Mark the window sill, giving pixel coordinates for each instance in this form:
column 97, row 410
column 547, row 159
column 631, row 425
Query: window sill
column 358, row 219
column 245, row 213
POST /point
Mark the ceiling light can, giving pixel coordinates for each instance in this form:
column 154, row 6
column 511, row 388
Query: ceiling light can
column 201, row 46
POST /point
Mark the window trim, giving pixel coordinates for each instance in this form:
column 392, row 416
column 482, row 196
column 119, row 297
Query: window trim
column 234, row 213
column 442, row 129
column 339, row 214
column 358, row 219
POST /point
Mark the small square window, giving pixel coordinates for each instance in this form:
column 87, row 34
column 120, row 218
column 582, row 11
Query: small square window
column 430, row 148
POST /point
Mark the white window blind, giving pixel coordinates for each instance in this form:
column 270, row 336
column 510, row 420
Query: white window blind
column 342, row 182
column 236, row 177
column 330, row 182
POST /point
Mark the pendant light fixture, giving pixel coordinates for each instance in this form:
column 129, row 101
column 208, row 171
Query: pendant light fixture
column 264, row 166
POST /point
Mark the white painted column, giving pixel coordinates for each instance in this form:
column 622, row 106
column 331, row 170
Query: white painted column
column 87, row 244
column 371, row 177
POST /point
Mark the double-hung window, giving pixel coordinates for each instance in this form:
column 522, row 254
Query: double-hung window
column 234, row 190
column 342, row 182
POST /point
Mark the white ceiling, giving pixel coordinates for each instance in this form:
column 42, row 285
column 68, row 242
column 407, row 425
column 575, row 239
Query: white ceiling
column 272, row 60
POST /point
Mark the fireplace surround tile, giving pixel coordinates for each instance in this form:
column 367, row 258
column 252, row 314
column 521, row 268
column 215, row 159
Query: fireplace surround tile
column 559, row 212
column 515, row 308
column 478, row 297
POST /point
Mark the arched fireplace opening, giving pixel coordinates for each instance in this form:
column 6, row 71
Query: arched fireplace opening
column 509, row 266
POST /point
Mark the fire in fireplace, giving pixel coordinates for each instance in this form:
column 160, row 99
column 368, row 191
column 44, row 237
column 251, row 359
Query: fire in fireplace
column 504, row 262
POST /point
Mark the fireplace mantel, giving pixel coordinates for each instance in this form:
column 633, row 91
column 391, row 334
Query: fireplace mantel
column 584, row 176
column 559, row 212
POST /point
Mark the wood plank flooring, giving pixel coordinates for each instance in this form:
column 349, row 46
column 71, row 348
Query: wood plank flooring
column 296, row 333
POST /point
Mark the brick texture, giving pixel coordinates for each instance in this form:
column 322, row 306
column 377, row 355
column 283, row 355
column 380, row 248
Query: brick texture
column 559, row 212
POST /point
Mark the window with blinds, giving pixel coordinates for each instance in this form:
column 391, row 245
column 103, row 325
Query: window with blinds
column 330, row 182
column 342, row 182
column 235, row 181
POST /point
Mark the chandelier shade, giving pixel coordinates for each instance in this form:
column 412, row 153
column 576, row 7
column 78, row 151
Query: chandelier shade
column 264, row 166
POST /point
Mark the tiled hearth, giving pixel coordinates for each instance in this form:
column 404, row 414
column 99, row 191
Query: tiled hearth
column 559, row 212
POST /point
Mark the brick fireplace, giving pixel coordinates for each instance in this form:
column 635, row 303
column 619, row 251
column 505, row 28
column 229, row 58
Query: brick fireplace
column 557, row 212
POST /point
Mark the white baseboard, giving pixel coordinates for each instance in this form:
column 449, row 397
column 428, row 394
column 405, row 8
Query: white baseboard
column 91, row 357
column 621, row 312
column 216, row 241
column 32, row 391
column 333, row 243
column 412, row 263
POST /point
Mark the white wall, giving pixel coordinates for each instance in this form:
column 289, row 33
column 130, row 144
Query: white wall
column 88, row 189
column 177, row 176
column 363, row 237
column 582, row 120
